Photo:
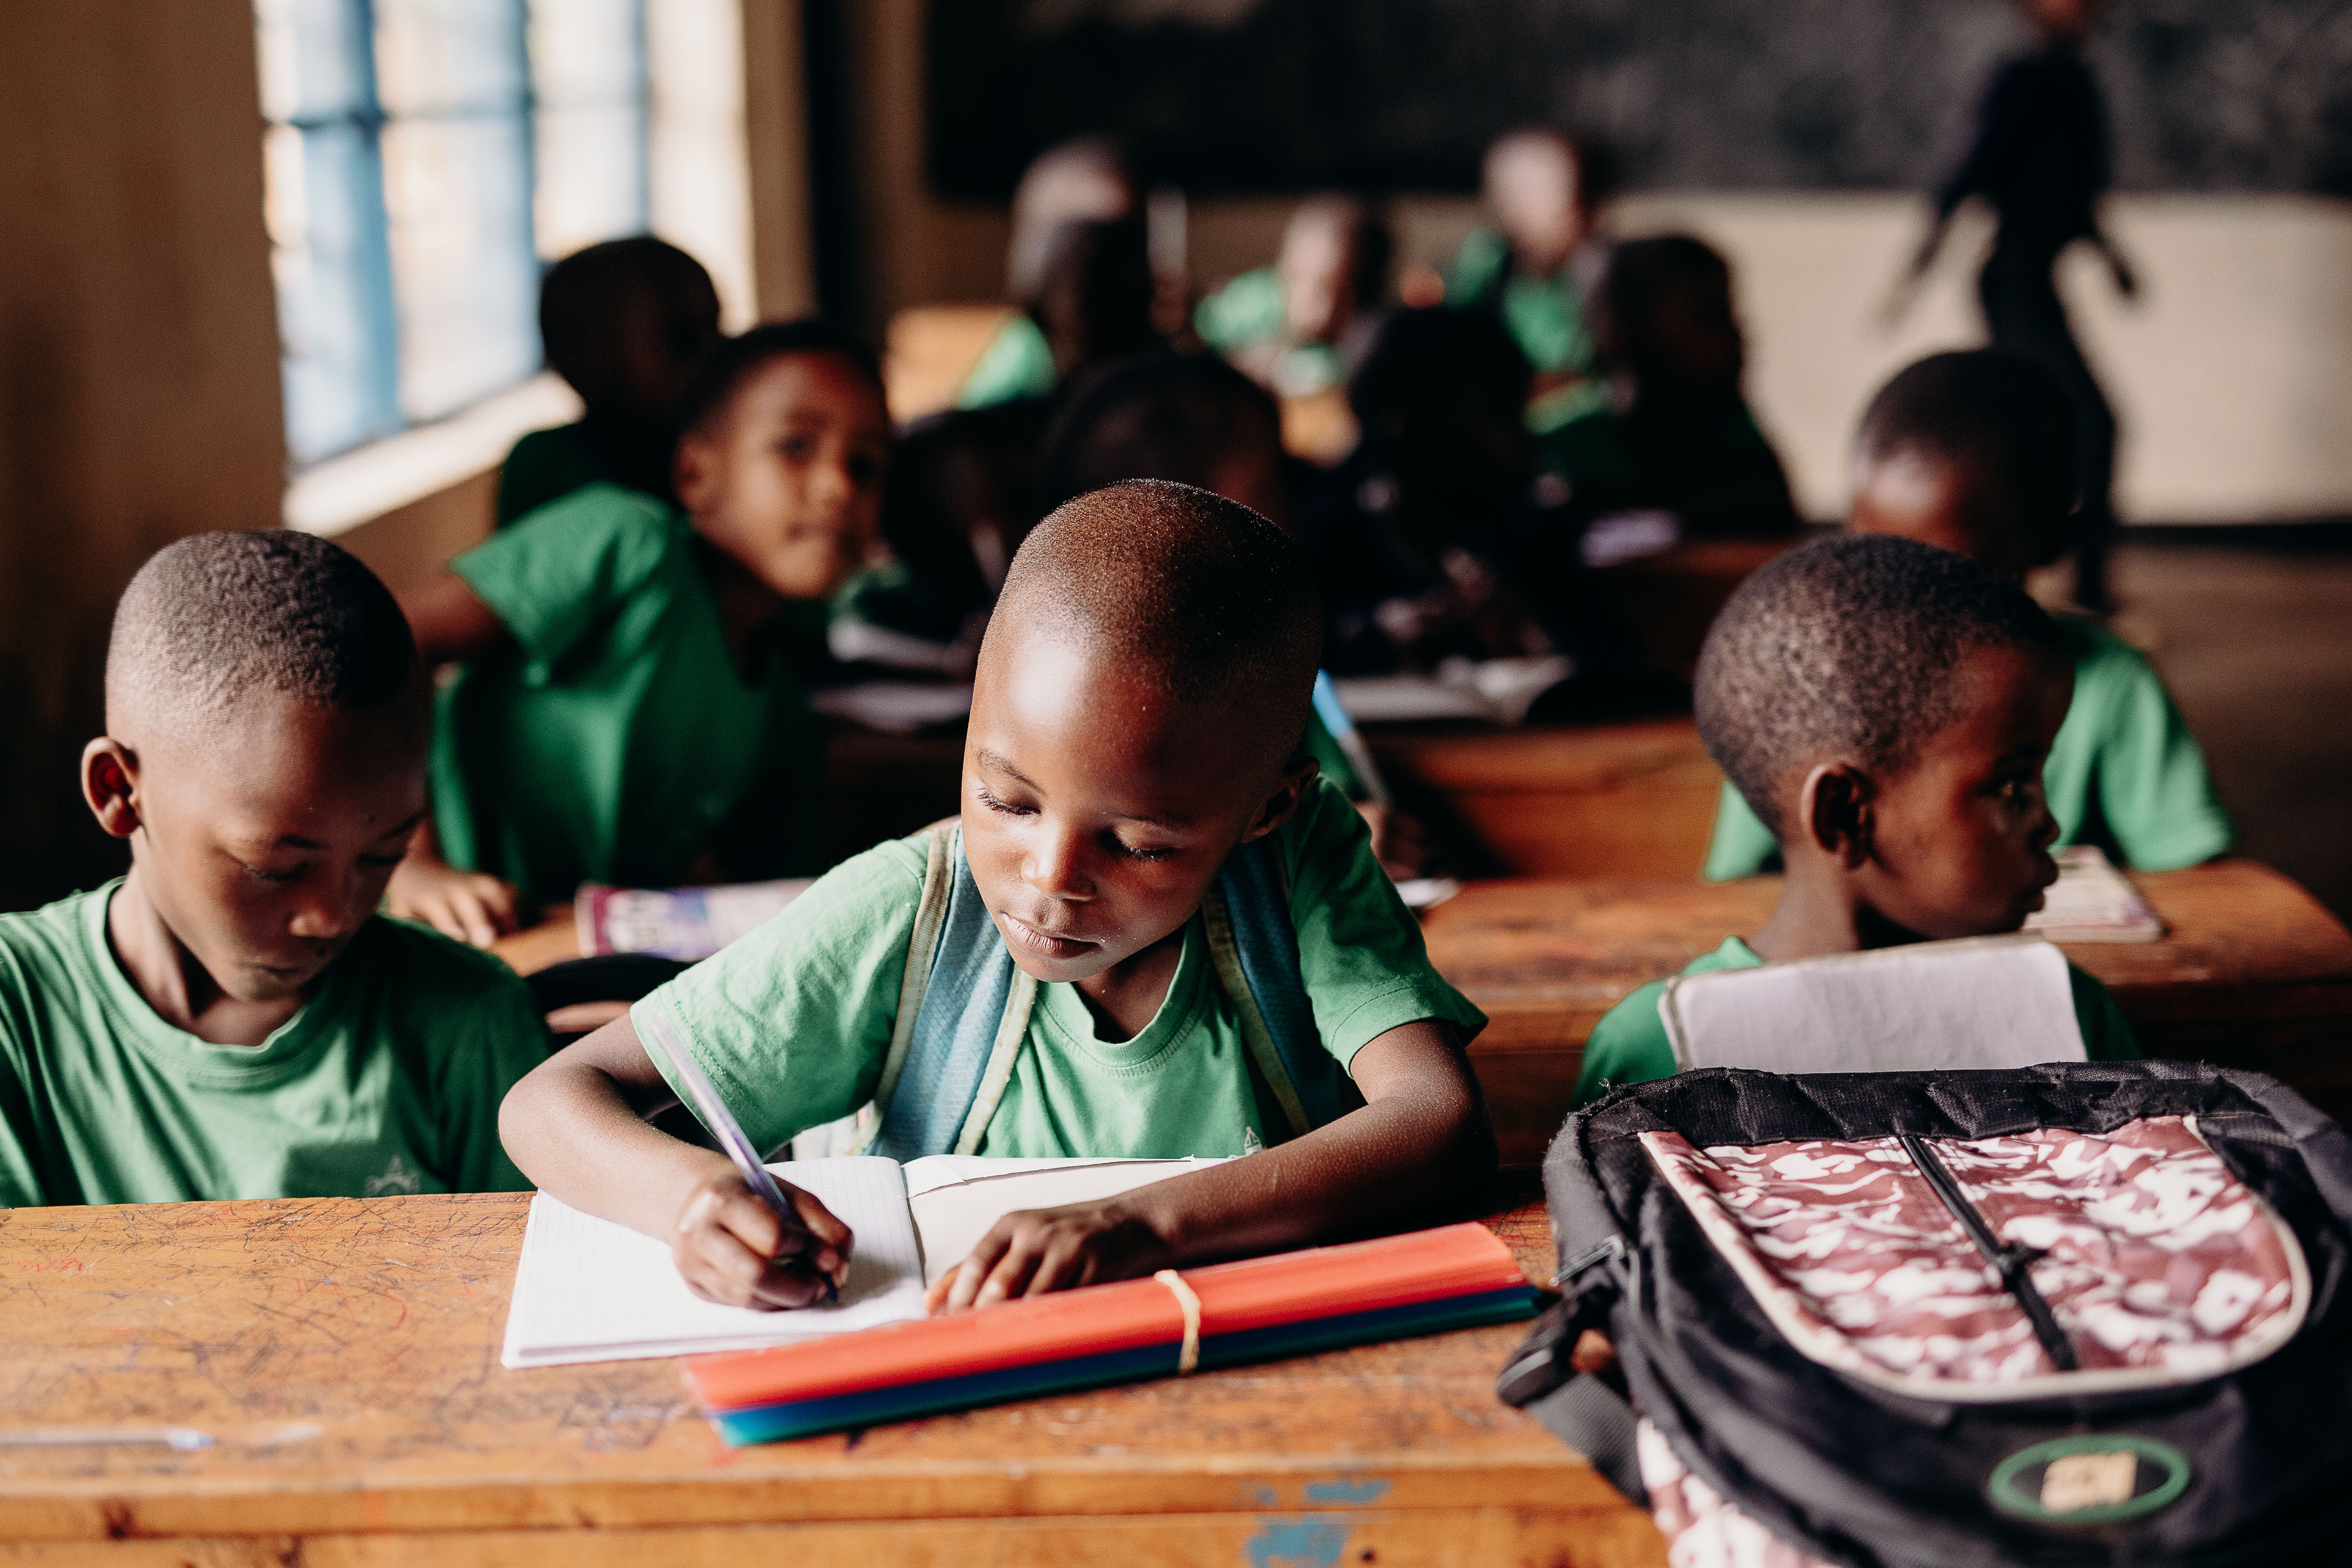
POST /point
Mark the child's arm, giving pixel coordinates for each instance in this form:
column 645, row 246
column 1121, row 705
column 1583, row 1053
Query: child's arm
column 576, row 1127
column 1421, row 1146
column 449, row 622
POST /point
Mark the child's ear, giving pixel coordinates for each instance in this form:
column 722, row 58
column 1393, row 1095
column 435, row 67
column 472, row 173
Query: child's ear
column 694, row 472
column 1835, row 811
column 1279, row 806
column 109, row 777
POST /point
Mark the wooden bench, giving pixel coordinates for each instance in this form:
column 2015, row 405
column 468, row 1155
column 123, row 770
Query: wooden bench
column 343, row 1356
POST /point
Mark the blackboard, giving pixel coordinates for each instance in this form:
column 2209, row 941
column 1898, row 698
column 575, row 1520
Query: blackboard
column 1236, row 96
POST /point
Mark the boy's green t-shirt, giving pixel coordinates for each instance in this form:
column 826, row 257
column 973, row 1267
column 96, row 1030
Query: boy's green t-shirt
column 1544, row 315
column 2124, row 774
column 387, row 1081
column 1629, row 1043
column 1017, row 362
column 615, row 738
column 792, row 1021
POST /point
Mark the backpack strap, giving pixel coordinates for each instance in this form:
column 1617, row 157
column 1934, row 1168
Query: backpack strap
column 1254, row 946
column 963, row 1010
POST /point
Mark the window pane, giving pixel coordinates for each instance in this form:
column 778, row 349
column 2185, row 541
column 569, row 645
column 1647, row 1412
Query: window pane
column 445, row 57
column 460, row 195
column 334, row 303
column 314, row 58
column 587, row 52
column 591, row 176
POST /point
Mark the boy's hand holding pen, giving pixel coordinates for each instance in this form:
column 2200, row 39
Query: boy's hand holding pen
column 733, row 1248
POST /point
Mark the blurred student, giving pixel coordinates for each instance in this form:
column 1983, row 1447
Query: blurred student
column 233, row 1019
column 1887, row 706
column 628, row 711
column 1197, row 420
column 1134, row 728
column 626, row 324
column 1532, row 270
column 1301, row 325
column 1083, row 180
column 1974, row 453
column 2041, row 159
column 1667, row 432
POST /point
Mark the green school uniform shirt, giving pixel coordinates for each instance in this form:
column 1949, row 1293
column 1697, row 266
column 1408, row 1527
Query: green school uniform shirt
column 614, row 738
column 791, row 1022
column 1544, row 315
column 1017, row 362
column 1629, row 1045
column 2124, row 774
column 545, row 466
column 388, row 1080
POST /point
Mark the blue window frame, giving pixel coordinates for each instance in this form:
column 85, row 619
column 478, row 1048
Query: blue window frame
column 424, row 158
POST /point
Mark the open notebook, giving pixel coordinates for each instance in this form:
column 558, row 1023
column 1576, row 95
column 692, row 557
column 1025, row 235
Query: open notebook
column 588, row 1290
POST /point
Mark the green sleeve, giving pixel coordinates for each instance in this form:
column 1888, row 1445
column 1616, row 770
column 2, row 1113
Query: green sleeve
column 1742, row 844
column 1360, row 949
column 2106, row 1036
column 1244, row 312
column 1628, row 1045
column 2154, row 794
column 1017, row 362
column 791, row 1022
column 1475, row 266
column 556, row 574
column 544, row 466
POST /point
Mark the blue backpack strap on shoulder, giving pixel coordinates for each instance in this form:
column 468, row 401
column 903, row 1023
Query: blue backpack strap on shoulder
column 1255, row 941
column 964, row 1008
column 954, row 1051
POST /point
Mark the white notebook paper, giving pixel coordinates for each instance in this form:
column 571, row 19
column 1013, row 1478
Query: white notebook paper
column 588, row 1290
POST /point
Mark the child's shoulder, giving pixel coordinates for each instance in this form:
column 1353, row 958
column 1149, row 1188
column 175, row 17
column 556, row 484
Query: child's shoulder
column 595, row 509
column 2092, row 646
column 51, row 947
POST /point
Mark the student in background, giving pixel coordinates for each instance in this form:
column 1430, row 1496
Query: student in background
column 1974, row 453
column 1196, row 420
column 1083, row 180
column 1301, row 325
column 1533, row 269
column 1886, row 707
column 233, row 1019
column 1140, row 699
column 626, row 324
column 628, row 711
column 1666, row 432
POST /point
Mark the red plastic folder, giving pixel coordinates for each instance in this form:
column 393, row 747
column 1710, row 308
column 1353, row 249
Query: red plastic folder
column 1291, row 1288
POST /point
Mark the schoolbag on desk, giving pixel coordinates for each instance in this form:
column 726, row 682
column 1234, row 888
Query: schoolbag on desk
column 963, row 1008
column 2059, row 1316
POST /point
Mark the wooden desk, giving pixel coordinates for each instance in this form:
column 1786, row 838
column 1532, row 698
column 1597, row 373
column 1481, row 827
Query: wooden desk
column 2252, row 973
column 345, row 1355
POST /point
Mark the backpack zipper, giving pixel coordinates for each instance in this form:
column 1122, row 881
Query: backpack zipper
column 2009, row 1262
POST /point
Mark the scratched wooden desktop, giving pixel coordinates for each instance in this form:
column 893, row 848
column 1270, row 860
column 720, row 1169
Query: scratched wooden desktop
column 344, row 1355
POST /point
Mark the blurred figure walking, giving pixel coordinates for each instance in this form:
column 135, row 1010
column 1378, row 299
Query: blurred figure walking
column 2041, row 159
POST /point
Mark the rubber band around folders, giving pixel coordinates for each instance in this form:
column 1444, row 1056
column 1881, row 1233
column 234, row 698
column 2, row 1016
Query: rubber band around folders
column 1188, row 1357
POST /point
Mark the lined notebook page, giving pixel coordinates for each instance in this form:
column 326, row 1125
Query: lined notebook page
column 588, row 1290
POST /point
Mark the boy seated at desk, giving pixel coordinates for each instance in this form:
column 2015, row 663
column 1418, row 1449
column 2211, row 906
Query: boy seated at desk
column 1140, row 696
column 1974, row 453
column 1887, row 707
column 629, row 711
column 232, row 1019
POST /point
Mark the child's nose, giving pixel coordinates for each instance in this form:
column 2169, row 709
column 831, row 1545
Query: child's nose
column 328, row 908
column 1055, row 866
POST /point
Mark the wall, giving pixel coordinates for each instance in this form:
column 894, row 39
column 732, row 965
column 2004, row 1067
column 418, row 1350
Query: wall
column 139, row 397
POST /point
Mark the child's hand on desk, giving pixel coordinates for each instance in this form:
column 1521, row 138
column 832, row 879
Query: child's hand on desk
column 470, row 906
column 1038, row 1250
column 733, row 1250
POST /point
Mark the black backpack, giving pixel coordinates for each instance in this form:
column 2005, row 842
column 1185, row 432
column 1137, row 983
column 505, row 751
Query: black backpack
column 2082, row 1313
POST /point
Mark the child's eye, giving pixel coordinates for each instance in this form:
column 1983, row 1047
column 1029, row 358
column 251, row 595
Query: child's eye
column 1128, row 851
column 989, row 800
column 799, row 448
column 865, row 471
column 275, row 878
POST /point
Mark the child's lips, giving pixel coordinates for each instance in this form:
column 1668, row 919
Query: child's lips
column 1044, row 943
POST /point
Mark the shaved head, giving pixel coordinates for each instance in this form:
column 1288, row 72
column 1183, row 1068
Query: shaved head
column 214, row 620
column 1200, row 596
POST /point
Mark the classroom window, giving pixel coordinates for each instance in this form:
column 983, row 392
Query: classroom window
column 423, row 159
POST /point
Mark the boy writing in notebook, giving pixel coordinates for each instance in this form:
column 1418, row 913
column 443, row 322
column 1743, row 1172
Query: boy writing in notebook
column 233, row 1019
column 629, row 711
column 1886, row 708
column 1135, row 722
column 1974, row 453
